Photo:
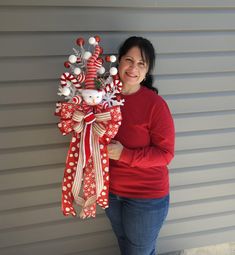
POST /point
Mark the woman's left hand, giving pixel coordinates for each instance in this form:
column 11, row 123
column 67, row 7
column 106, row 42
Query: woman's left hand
column 115, row 149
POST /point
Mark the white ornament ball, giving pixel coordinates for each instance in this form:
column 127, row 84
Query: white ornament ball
column 87, row 55
column 113, row 71
column 65, row 91
column 77, row 70
column 92, row 40
column 72, row 59
column 101, row 70
column 113, row 59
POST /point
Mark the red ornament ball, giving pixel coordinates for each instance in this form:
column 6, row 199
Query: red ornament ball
column 97, row 38
column 107, row 58
column 67, row 64
column 80, row 41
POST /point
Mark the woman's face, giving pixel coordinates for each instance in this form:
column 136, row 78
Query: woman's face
column 132, row 67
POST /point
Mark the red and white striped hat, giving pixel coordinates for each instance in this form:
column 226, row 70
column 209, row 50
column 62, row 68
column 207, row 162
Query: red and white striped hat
column 94, row 63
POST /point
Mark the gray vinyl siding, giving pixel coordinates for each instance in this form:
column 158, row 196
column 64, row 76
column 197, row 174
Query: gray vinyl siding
column 195, row 73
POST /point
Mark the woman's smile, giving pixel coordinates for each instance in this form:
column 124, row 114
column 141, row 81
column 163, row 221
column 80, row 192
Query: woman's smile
column 132, row 69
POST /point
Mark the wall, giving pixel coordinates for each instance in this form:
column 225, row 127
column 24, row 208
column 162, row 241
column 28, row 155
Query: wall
column 195, row 73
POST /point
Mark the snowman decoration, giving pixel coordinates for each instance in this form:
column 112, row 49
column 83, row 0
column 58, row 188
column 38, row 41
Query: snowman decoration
column 88, row 80
column 91, row 112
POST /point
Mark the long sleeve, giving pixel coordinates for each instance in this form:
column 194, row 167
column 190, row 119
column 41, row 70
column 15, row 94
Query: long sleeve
column 148, row 136
column 162, row 139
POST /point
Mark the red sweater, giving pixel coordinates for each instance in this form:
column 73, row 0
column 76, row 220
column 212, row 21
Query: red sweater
column 147, row 134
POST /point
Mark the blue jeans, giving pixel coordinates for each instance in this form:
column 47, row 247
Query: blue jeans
column 137, row 223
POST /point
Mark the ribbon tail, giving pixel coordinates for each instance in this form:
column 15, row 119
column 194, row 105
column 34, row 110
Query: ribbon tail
column 86, row 144
column 77, row 183
column 97, row 165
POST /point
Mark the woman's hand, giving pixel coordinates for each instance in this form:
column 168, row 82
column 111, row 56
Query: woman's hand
column 115, row 149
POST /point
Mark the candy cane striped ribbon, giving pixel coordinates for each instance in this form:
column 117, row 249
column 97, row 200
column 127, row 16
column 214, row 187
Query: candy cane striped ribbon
column 68, row 77
column 117, row 84
column 80, row 78
column 93, row 64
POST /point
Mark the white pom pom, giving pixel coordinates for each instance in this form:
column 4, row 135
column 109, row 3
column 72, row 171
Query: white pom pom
column 113, row 59
column 72, row 59
column 101, row 70
column 77, row 70
column 113, row 70
column 65, row 91
column 92, row 40
column 87, row 55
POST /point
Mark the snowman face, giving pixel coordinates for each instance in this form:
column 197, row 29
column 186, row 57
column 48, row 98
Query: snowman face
column 91, row 96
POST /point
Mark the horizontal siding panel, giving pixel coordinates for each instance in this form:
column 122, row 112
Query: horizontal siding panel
column 52, row 213
column 203, row 157
column 32, row 157
column 123, row 3
column 206, row 121
column 51, row 67
column 26, row 69
column 195, row 63
column 30, row 197
column 195, row 84
column 46, row 91
column 53, row 175
column 23, row 115
column 53, row 231
column 201, row 103
column 209, row 191
column 31, row 216
column 29, row 19
column 189, row 226
column 31, row 178
column 223, row 235
column 30, row 44
column 206, row 139
column 38, row 114
column 200, row 208
column 66, row 245
column 202, row 175
column 39, row 91
column 42, row 196
column 49, row 135
column 114, row 250
column 55, row 155
column 31, row 136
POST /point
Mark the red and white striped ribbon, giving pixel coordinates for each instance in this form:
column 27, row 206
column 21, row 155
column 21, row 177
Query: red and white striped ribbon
column 93, row 64
column 80, row 78
column 117, row 84
column 67, row 78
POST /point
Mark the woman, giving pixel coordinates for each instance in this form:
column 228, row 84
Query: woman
column 140, row 153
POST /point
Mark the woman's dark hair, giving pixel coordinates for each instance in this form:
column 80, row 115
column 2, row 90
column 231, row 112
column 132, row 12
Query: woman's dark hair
column 147, row 53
